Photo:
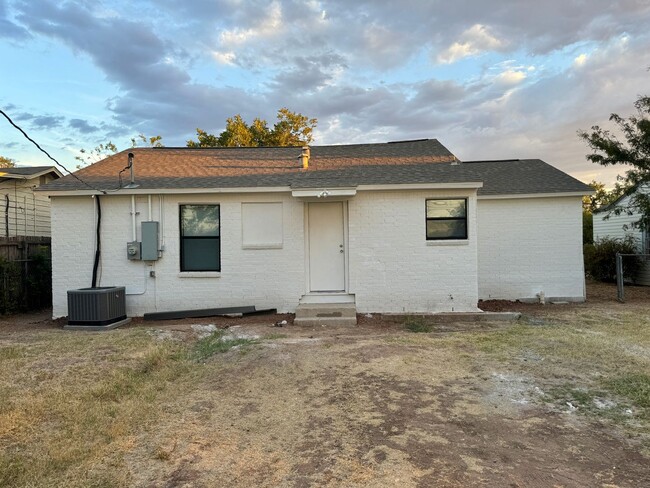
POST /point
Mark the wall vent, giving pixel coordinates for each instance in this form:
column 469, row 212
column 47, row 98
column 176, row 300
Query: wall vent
column 96, row 306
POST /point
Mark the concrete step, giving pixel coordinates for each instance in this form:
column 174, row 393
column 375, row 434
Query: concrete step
column 313, row 314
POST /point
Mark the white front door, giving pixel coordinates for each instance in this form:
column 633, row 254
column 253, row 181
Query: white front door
column 326, row 247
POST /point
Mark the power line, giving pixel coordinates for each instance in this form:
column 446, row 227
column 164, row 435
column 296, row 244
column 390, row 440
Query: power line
column 48, row 154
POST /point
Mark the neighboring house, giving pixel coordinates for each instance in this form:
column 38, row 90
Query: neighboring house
column 608, row 224
column 25, row 212
column 394, row 227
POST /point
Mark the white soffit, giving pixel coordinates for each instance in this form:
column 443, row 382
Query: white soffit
column 324, row 192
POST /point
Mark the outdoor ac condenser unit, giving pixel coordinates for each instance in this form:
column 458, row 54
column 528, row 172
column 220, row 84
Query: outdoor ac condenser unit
column 96, row 306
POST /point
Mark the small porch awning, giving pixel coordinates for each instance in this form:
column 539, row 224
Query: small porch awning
column 323, row 192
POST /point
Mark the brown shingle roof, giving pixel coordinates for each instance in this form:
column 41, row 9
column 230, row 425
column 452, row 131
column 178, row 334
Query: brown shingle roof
column 422, row 161
column 152, row 166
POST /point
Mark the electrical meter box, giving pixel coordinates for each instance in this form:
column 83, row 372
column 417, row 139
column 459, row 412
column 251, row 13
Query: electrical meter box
column 149, row 241
column 133, row 250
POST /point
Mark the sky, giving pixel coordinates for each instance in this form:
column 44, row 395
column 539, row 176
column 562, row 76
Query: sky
column 495, row 79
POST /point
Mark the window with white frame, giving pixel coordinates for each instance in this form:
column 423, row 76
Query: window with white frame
column 446, row 218
column 200, row 238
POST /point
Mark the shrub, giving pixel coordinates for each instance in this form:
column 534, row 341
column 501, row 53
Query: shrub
column 10, row 286
column 600, row 257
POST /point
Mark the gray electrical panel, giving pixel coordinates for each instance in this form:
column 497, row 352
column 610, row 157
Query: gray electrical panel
column 133, row 250
column 149, row 241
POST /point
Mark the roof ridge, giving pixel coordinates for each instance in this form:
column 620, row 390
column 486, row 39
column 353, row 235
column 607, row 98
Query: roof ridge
column 496, row 160
column 288, row 147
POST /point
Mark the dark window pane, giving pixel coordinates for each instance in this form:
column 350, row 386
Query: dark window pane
column 200, row 220
column 446, row 229
column 446, row 208
column 200, row 254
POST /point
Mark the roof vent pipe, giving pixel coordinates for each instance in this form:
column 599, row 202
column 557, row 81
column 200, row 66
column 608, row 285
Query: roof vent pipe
column 132, row 184
column 304, row 157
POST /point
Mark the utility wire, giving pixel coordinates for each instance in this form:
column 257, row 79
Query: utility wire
column 48, row 154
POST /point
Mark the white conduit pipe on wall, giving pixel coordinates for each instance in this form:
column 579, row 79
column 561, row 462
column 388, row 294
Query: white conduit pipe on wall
column 149, row 203
column 135, row 236
column 133, row 218
column 161, row 218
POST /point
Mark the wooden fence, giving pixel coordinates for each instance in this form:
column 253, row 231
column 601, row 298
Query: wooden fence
column 25, row 273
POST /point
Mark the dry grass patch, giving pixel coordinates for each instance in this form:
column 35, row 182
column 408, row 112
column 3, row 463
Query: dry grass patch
column 591, row 361
column 374, row 405
column 74, row 403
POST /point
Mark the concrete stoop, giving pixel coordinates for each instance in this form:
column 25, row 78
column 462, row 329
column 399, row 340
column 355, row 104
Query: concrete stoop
column 312, row 314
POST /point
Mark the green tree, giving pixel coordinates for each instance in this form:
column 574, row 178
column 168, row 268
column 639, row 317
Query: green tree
column 204, row 140
column 97, row 154
column 7, row 162
column 291, row 129
column 634, row 153
column 237, row 133
column 104, row 150
column 155, row 141
column 590, row 203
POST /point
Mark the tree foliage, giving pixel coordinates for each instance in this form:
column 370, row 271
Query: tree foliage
column 98, row 153
column 7, row 162
column 155, row 141
column 590, row 203
column 600, row 257
column 104, row 150
column 291, row 129
column 633, row 153
column 602, row 197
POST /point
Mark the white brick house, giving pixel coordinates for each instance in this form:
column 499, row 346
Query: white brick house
column 396, row 227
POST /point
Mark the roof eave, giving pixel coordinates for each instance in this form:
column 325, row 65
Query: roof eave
column 49, row 170
column 471, row 185
column 505, row 196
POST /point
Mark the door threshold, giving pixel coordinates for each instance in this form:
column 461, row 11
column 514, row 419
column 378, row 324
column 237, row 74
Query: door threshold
column 327, row 297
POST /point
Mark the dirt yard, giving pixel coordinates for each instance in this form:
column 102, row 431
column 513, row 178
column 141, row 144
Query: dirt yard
column 560, row 398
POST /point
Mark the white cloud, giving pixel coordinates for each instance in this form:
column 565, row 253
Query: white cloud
column 580, row 60
column 268, row 26
column 511, row 77
column 475, row 40
column 224, row 57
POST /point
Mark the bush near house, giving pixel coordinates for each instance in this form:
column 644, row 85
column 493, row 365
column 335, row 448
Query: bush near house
column 10, row 286
column 26, row 284
column 600, row 257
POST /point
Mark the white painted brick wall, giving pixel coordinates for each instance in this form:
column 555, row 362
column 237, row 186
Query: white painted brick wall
column 529, row 245
column 392, row 266
column 266, row 278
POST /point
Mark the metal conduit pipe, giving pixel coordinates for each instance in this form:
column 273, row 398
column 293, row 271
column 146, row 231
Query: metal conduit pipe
column 133, row 230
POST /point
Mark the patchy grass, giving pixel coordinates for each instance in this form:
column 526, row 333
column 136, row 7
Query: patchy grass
column 272, row 337
column 375, row 406
column 595, row 361
column 417, row 324
column 71, row 413
column 11, row 352
column 217, row 343
column 634, row 387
